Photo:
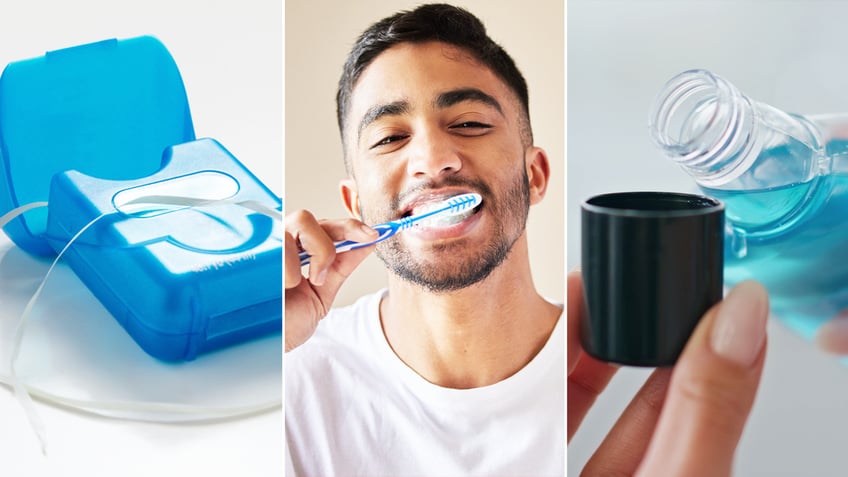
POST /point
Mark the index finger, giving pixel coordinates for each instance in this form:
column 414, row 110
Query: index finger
column 317, row 239
column 312, row 238
column 587, row 377
column 293, row 275
column 574, row 293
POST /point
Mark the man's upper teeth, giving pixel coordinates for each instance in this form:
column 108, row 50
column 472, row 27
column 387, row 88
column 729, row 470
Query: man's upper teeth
column 426, row 207
column 442, row 220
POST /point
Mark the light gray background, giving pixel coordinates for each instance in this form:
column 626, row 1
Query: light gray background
column 791, row 54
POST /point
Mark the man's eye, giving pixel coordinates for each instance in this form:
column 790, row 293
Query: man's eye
column 471, row 125
column 388, row 140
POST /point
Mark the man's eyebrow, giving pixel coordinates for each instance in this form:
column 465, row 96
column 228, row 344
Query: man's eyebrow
column 450, row 98
column 376, row 112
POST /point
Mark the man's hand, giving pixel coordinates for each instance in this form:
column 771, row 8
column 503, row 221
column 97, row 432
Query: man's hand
column 308, row 299
column 684, row 421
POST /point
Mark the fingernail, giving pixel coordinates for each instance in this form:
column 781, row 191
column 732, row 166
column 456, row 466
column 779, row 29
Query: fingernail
column 322, row 277
column 367, row 230
column 739, row 331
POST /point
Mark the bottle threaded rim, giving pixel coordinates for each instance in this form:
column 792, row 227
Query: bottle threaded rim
column 704, row 123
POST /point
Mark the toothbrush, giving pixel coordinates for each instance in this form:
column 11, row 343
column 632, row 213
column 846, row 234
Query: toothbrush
column 448, row 207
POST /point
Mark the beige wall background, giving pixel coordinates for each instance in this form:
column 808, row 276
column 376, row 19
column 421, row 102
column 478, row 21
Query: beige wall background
column 318, row 36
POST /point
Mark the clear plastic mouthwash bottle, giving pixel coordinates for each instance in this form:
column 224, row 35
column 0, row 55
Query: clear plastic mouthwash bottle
column 784, row 180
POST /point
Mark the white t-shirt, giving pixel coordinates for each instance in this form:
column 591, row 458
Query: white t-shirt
column 353, row 408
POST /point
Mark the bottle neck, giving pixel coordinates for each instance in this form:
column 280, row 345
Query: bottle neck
column 761, row 161
column 706, row 125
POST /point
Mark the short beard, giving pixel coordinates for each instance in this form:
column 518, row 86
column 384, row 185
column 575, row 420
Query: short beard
column 515, row 205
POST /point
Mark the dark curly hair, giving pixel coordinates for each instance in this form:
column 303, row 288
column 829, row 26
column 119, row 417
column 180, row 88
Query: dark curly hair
column 432, row 22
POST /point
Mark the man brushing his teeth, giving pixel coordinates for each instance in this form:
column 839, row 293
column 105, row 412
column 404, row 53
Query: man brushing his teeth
column 457, row 368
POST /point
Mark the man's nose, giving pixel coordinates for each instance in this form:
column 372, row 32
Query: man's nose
column 432, row 156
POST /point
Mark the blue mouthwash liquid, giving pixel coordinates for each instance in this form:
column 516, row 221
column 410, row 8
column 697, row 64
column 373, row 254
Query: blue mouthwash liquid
column 794, row 240
column 784, row 180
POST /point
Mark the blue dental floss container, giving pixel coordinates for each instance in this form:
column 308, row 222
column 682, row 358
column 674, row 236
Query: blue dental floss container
column 104, row 129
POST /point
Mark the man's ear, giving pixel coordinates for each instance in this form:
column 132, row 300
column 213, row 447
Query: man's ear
column 538, row 172
column 350, row 197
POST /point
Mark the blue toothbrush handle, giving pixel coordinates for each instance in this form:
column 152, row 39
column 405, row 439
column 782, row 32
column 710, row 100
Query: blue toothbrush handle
column 388, row 229
column 385, row 230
